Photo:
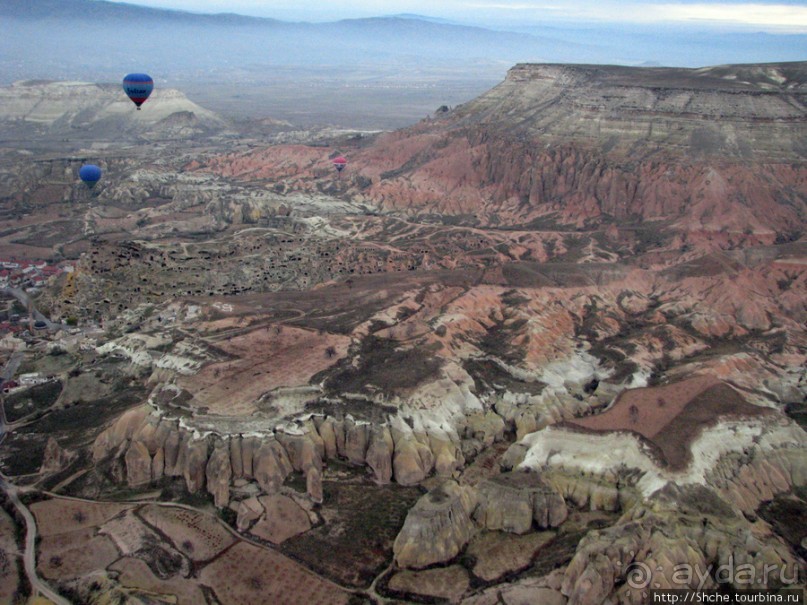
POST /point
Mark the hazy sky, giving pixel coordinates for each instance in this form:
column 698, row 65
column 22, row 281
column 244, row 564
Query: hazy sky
column 776, row 15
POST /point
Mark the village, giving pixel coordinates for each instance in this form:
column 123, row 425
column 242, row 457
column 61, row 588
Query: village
column 24, row 328
column 29, row 275
column 21, row 279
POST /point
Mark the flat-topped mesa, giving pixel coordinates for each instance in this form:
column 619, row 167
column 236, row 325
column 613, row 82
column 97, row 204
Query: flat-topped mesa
column 525, row 72
column 759, row 78
column 513, row 501
column 715, row 111
column 437, row 528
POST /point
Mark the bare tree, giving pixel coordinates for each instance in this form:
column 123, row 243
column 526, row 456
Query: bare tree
column 330, row 352
column 633, row 412
column 661, row 402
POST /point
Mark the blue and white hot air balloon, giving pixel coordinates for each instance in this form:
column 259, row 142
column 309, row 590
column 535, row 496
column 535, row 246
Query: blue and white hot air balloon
column 138, row 87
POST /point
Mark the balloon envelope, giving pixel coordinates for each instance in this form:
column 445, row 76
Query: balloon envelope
column 90, row 174
column 138, row 87
column 340, row 163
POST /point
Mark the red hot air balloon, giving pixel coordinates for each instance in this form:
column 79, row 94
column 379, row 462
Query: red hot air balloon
column 339, row 163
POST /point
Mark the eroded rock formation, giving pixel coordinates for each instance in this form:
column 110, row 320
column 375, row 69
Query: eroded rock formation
column 152, row 446
column 437, row 527
column 513, row 501
column 581, row 144
column 679, row 528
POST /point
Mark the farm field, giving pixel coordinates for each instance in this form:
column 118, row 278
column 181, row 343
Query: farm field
column 83, row 539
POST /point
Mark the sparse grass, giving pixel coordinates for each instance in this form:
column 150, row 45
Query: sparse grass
column 497, row 339
column 365, row 519
column 384, row 367
column 488, row 376
column 798, row 412
column 35, row 399
column 556, row 554
column 787, row 514
column 74, row 427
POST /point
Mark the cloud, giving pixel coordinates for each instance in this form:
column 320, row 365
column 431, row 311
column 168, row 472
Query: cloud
column 778, row 15
column 784, row 15
column 791, row 17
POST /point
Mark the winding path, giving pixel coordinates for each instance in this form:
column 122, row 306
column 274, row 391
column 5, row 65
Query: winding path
column 29, row 554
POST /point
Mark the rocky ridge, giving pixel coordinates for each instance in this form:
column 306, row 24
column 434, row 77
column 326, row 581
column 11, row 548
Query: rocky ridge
column 584, row 146
column 101, row 111
column 144, row 447
column 677, row 529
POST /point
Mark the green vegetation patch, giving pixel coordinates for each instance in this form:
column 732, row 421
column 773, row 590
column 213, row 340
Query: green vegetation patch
column 490, row 376
column 497, row 341
column 558, row 553
column 74, row 428
column 787, row 514
column 383, row 367
column 363, row 520
column 36, row 399
column 798, row 412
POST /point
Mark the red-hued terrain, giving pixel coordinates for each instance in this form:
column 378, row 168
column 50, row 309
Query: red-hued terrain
column 585, row 146
column 671, row 417
column 508, row 355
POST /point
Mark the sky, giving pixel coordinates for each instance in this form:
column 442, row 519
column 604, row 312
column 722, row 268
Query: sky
column 773, row 16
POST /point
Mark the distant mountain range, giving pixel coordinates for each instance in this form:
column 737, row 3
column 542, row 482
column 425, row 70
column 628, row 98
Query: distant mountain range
column 93, row 10
column 44, row 36
column 402, row 66
column 82, row 38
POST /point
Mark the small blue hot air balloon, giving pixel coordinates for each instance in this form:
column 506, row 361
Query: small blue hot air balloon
column 90, row 174
column 138, row 87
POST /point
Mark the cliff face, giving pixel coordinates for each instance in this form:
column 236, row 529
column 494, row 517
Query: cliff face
column 719, row 111
column 717, row 149
column 153, row 447
column 646, row 547
column 484, row 174
column 712, row 149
